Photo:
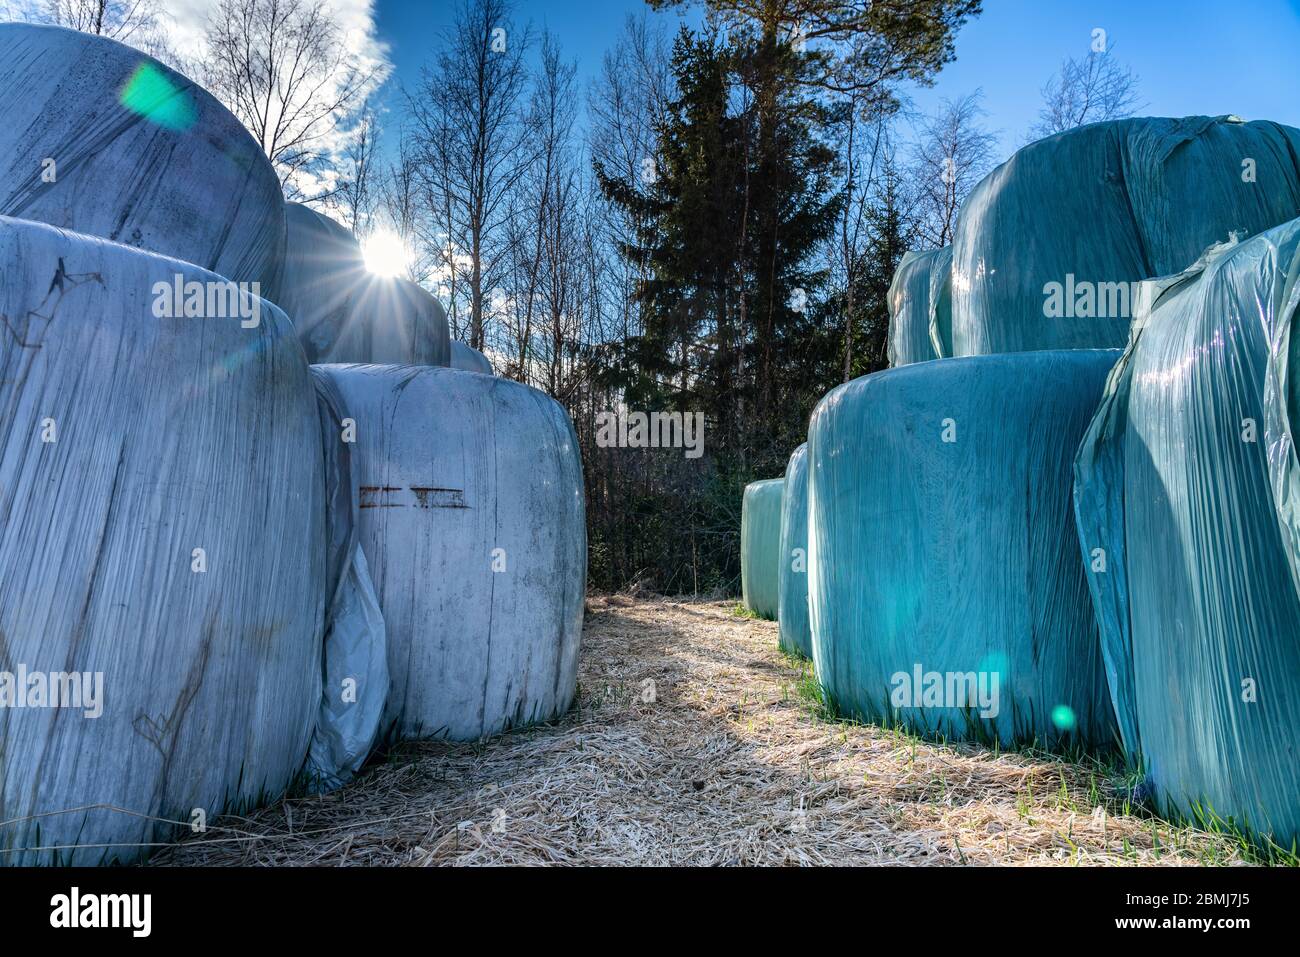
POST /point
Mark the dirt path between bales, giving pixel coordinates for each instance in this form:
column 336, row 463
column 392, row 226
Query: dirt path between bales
column 694, row 742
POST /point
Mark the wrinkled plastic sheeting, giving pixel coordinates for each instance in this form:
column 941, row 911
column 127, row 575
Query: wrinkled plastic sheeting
column 472, row 519
column 910, row 306
column 1097, row 208
column 354, row 672
column 792, row 574
column 128, row 443
column 1187, row 517
column 469, row 359
column 344, row 313
column 942, row 542
column 940, row 318
column 102, row 139
column 760, row 546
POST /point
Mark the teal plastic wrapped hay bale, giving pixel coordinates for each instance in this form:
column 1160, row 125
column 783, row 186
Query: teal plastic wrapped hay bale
column 916, row 278
column 1047, row 247
column 794, row 636
column 760, row 545
column 940, row 318
column 946, row 590
column 1188, row 518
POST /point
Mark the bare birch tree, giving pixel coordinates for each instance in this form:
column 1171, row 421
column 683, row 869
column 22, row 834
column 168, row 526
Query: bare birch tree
column 1089, row 90
column 952, row 153
column 467, row 116
column 626, row 104
column 358, row 192
column 284, row 68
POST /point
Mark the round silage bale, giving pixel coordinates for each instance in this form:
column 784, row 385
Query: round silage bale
column 1047, row 247
column 760, row 546
column 910, row 307
column 942, row 543
column 469, row 359
column 102, row 139
column 345, row 313
column 162, row 494
column 472, row 519
column 1186, row 499
column 940, row 318
column 792, row 574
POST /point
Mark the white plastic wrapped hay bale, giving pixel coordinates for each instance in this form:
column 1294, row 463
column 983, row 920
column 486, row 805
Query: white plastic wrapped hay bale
column 162, row 490
column 102, row 139
column 355, row 653
column 472, row 519
column 469, row 359
column 345, row 313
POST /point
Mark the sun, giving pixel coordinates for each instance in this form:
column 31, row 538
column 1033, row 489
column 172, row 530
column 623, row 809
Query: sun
column 385, row 253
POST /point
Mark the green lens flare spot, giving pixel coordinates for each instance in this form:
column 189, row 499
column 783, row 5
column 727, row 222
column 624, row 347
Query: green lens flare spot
column 154, row 95
column 1063, row 717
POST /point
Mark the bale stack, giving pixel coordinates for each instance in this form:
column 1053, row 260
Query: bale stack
column 940, row 537
column 188, row 622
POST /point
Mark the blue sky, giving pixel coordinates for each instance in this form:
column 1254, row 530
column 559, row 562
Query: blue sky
column 1192, row 56
column 585, row 30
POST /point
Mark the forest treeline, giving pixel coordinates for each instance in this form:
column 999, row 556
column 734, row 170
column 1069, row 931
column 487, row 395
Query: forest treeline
column 709, row 226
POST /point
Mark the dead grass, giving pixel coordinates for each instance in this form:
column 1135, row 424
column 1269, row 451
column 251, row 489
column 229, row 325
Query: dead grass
column 692, row 744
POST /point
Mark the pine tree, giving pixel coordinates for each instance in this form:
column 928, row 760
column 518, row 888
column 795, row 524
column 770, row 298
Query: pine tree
column 738, row 201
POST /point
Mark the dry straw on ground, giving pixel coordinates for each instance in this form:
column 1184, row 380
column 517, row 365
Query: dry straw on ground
column 692, row 744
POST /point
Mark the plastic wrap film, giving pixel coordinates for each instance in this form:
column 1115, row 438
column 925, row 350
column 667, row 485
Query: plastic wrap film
column 946, row 590
column 469, row 359
column 162, row 550
column 102, row 139
column 354, row 669
column 1186, row 513
column 345, row 313
column 760, row 546
column 1047, row 246
column 940, row 318
column 472, row 520
column 792, row 573
column 909, row 309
